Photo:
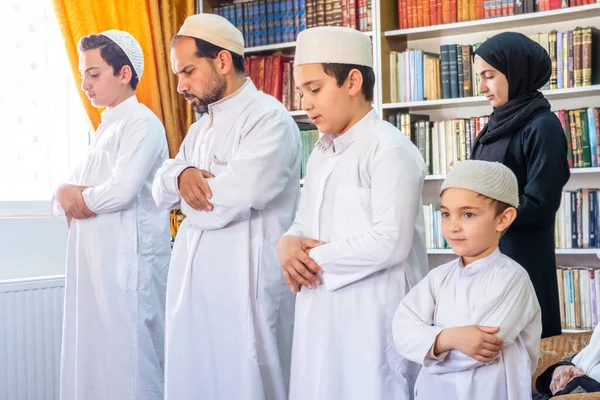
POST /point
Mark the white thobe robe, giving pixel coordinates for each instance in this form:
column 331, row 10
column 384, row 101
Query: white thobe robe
column 117, row 263
column 493, row 291
column 362, row 196
column 229, row 311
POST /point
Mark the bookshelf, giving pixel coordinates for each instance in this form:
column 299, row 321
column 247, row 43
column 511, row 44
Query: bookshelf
column 573, row 252
column 505, row 23
column 386, row 37
column 569, row 93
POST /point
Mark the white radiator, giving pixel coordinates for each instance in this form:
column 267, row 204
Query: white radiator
column 30, row 338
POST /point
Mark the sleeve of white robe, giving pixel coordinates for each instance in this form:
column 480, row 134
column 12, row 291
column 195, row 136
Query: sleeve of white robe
column 412, row 327
column 258, row 171
column 165, row 188
column 138, row 151
column 55, row 209
column 396, row 185
column 298, row 227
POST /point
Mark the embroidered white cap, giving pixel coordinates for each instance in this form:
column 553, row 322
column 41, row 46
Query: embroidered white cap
column 335, row 45
column 214, row 29
column 130, row 47
column 491, row 179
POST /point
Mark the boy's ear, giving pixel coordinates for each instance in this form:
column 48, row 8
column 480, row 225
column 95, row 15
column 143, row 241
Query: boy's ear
column 355, row 82
column 126, row 74
column 505, row 219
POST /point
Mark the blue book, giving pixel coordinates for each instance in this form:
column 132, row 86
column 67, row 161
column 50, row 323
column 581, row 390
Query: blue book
column 560, row 70
column 277, row 21
column 283, row 19
column 270, row 23
column 289, row 8
column 262, row 21
column 256, row 23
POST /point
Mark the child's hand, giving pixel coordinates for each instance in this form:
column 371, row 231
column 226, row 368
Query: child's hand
column 476, row 341
column 297, row 266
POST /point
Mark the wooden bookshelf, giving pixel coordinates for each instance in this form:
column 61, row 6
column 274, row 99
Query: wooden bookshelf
column 555, row 94
column 269, row 48
column 279, row 46
column 504, row 23
column 576, row 252
column 574, row 171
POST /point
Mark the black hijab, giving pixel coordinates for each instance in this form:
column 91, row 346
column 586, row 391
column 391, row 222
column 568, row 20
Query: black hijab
column 527, row 68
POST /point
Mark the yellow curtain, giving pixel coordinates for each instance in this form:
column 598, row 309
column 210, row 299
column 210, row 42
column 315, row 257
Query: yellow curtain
column 153, row 23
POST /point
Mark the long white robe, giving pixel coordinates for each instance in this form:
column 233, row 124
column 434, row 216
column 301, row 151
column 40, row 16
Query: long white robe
column 229, row 311
column 493, row 291
column 362, row 195
column 117, row 262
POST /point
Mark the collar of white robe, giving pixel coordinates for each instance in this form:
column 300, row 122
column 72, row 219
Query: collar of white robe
column 337, row 144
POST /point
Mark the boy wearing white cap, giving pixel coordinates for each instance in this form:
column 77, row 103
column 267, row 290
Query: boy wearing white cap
column 474, row 323
column 357, row 243
column 118, row 246
column 236, row 178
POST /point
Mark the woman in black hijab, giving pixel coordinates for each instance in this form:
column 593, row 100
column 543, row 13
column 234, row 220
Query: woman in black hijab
column 527, row 137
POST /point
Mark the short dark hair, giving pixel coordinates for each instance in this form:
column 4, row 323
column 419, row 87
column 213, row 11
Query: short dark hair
column 341, row 71
column 111, row 53
column 205, row 49
column 499, row 206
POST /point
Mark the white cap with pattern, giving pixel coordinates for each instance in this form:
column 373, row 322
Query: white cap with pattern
column 130, row 47
column 333, row 45
column 214, row 29
column 491, row 179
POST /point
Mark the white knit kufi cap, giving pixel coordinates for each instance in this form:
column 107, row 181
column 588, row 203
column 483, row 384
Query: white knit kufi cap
column 130, row 47
column 333, row 45
column 491, row 179
column 214, row 29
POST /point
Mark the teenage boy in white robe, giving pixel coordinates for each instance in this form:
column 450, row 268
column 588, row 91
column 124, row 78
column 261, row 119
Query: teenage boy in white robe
column 474, row 323
column 119, row 245
column 357, row 243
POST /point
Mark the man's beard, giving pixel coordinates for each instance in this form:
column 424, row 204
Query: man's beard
column 214, row 95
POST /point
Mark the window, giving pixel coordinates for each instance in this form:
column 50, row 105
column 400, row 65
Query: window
column 43, row 128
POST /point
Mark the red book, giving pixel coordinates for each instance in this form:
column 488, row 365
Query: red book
column 277, row 74
column 433, row 13
column 257, row 72
column 268, row 86
column 453, row 11
column 425, row 12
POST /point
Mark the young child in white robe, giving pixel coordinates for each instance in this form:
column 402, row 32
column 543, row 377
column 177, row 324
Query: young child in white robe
column 357, row 243
column 474, row 323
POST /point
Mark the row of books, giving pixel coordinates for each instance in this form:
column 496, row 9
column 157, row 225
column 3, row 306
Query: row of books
column 582, row 130
column 274, row 75
column 443, row 143
column 577, row 220
column 575, row 55
column 419, row 13
column 434, row 239
column 416, row 75
column 579, row 296
column 264, row 22
column 308, row 136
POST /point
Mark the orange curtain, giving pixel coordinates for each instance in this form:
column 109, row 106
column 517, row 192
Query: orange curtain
column 153, row 23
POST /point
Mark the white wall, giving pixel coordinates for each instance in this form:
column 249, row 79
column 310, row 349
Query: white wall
column 32, row 247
